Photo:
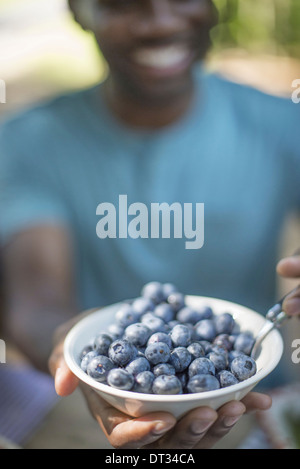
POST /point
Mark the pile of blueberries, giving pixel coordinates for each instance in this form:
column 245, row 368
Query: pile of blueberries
column 160, row 345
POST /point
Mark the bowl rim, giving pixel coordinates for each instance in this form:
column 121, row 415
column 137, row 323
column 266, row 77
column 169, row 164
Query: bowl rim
column 170, row 398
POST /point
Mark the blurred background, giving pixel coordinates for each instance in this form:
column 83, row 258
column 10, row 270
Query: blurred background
column 43, row 53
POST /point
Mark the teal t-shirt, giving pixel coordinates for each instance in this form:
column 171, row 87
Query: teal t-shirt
column 237, row 151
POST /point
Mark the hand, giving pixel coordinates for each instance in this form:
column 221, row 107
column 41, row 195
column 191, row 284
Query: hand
column 202, row 428
column 290, row 268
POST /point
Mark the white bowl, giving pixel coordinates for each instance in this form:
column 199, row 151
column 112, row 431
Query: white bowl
column 138, row 404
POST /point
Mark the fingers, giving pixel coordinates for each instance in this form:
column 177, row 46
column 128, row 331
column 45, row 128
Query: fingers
column 203, row 428
column 228, row 416
column 64, row 381
column 189, row 430
column 255, row 401
column 289, row 267
column 291, row 304
column 124, row 432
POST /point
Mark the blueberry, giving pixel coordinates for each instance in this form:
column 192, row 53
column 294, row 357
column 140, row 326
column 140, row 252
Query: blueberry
column 219, row 349
column 143, row 382
column 180, row 358
column 126, row 315
column 138, row 365
column 158, row 344
column 188, row 315
column 167, row 384
column 205, row 330
column 85, row 351
column 234, row 354
column 181, row 336
column 163, row 369
column 154, row 323
column 244, row 343
column 115, row 331
column 243, row 367
column 172, row 324
column 201, row 366
column 158, row 352
column 101, row 343
column 224, row 323
column 160, row 337
column 219, row 360
column 120, row 379
column 87, row 359
column 202, row 383
column 183, row 378
column 224, row 340
column 177, row 301
column 141, row 351
column 168, row 289
column 99, row 367
column 207, row 346
column 196, row 350
column 153, row 291
column 137, row 334
column 226, row 378
column 165, row 312
column 142, row 305
column 205, row 312
column 122, row 352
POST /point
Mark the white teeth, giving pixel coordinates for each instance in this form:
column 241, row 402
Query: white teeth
column 160, row 57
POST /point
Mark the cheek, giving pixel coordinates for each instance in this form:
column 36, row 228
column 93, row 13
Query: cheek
column 112, row 34
column 202, row 16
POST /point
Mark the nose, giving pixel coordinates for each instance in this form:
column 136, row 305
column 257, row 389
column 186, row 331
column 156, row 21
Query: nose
column 158, row 18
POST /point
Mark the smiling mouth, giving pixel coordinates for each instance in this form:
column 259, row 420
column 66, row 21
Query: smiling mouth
column 169, row 58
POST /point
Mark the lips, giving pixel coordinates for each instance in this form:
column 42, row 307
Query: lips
column 167, row 60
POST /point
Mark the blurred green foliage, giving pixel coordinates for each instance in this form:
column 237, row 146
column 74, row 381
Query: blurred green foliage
column 270, row 26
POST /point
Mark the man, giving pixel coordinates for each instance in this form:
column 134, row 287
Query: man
column 158, row 130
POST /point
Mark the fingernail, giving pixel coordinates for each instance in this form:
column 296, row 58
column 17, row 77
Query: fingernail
column 230, row 421
column 162, row 427
column 200, row 426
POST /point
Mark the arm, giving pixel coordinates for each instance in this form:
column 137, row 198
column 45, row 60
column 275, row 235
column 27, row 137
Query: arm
column 39, row 291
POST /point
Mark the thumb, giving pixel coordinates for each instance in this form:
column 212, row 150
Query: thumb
column 64, row 380
column 289, row 267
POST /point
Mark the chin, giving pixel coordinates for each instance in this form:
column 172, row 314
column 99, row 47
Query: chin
column 161, row 91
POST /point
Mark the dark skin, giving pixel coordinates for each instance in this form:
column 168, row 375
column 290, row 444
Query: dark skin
column 123, row 27
column 39, row 263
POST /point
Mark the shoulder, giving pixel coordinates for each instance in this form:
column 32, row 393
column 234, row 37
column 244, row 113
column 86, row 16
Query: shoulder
column 253, row 106
column 41, row 122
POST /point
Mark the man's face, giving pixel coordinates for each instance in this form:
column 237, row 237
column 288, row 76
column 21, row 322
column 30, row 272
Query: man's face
column 151, row 45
